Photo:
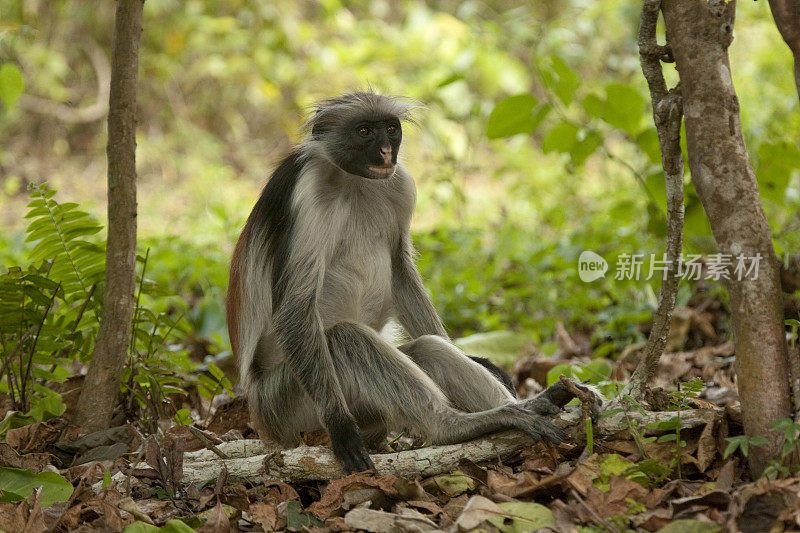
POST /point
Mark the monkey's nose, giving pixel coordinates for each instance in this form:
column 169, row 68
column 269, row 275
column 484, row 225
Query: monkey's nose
column 387, row 155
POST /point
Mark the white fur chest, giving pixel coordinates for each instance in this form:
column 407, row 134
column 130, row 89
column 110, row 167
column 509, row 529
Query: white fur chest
column 354, row 225
column 357, row 283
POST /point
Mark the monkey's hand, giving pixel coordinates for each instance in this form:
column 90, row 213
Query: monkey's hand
column 551, row 400
column 349, row 448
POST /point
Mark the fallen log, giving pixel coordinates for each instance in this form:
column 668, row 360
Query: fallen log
column 252, row 461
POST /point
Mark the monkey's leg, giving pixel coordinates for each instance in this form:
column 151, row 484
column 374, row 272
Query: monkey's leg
column 379, row 381
column 497, row 372
column 279, row 406
column 469, row 385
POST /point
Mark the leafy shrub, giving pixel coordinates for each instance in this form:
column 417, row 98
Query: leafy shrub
column 49, row 317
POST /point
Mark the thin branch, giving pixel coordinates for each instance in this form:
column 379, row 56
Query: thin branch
column 794, row 368
column 24, row 380
column 138, row 300
column 586, row 397
column 65, row 113
column 667, row 115
column 7, row 361
column 207, row 442
column 64, row 351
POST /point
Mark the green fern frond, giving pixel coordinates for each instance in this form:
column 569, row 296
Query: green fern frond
column 59, row 232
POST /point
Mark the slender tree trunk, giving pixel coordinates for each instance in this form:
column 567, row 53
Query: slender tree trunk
column 101, row 387
column 667, row 113
column 699, row 33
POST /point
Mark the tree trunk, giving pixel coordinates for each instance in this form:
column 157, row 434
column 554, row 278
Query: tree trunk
column 699, row 33
column 101, row 387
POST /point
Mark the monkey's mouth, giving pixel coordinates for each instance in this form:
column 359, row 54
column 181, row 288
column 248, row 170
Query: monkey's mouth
column 384, row 171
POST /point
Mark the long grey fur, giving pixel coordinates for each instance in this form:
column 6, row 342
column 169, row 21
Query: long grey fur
column 324, row 261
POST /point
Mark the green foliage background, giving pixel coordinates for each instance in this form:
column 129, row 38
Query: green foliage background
column 535, row 143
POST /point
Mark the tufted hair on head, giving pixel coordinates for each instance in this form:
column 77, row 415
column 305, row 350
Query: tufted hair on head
column 364, row 105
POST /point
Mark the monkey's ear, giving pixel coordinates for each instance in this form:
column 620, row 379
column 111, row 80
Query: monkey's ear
column 317, row 131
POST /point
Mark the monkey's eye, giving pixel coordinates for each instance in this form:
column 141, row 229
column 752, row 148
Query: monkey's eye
column 391, row 129
column 364, row 131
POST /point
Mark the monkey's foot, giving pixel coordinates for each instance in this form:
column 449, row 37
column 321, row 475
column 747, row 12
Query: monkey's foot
column 351, row 453
column 550, row 401
column 536, row 426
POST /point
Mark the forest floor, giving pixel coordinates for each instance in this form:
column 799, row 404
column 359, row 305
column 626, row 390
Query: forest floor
column 172, row 477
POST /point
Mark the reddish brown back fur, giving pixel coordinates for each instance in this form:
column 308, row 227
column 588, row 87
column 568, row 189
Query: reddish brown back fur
column 233, row 301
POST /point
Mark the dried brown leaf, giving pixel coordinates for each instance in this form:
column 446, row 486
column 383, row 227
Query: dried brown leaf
column 236, row 497
column 334, row 495
column 217, row 521
column 274, row 492
column 725, row 476
column 34, row 462
column 265, row 515
column 707, row 445
column 37, row 436
column 234, row 414
column 615, row 501
column 426, row 505
column 653, row 520
column 477, row 511
column 154, row 458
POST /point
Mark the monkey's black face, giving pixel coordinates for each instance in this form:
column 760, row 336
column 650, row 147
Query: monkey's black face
column 368, row 148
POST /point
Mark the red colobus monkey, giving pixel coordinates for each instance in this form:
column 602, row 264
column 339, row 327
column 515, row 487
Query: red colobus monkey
column 323, row 262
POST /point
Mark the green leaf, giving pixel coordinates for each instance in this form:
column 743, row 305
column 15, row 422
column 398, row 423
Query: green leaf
column 655, row 184
column 511, row 116
column 781, row 424
column 665, row 425
column 615, row 464
column 502, row 347
column 735, row 443
column 774, row 166
column 523, row 516
column 298, row 520
column 11, row 84
column 13, row 420
column 594, row 105
column 106, row 477
column 560, row 138
column 611, row 412
column 648, row 143
column 582, row 149
column 183, row 417
column 622, row 107
column 215, row 371
column 47, row 407
column 21, row 483
column 455, row 483
column 568, row 80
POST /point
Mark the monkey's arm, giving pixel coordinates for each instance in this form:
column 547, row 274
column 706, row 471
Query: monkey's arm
column 300, row 333
column 414, row 308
